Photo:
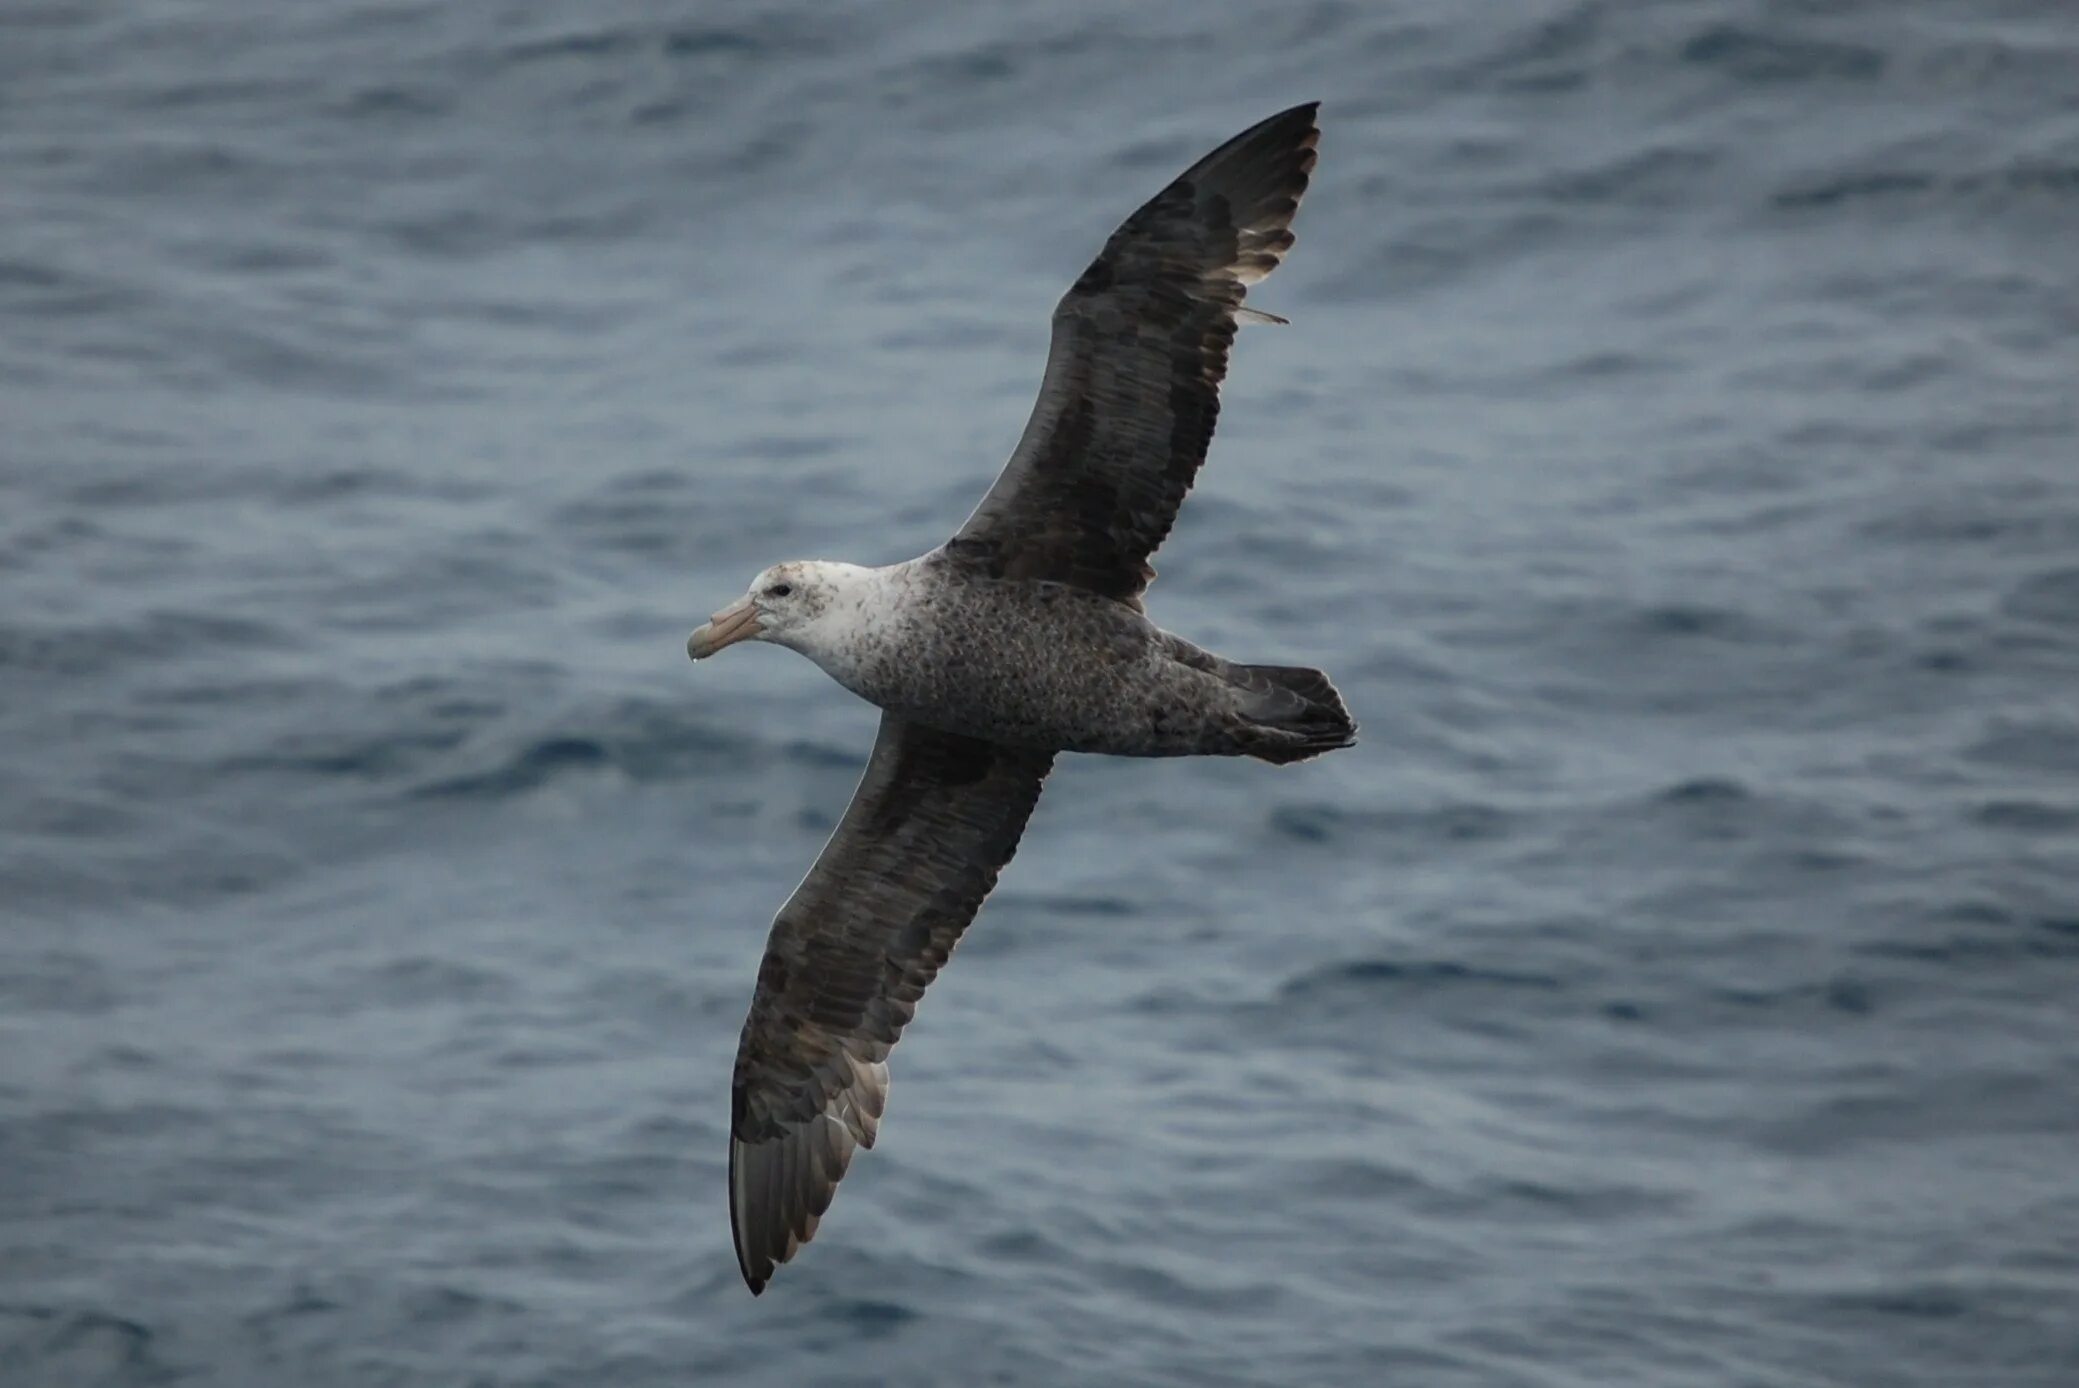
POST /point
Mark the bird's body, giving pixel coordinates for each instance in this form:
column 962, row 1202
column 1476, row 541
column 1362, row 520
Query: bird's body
column 1022, row 637
column 1032, row 663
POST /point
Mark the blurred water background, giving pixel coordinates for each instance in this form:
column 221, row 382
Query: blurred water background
column 1674, row 457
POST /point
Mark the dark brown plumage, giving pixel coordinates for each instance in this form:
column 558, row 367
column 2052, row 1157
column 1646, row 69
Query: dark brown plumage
column 1125, row 412
column 1132, row 387
column 934, row 820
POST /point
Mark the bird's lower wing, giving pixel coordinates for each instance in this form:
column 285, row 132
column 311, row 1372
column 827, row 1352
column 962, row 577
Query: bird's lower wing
column 934, row 820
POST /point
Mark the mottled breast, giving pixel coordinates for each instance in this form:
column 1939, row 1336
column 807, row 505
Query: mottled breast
column 1022, row 662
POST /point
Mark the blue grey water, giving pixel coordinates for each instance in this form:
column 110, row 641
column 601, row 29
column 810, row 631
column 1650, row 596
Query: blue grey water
column 1674, row 457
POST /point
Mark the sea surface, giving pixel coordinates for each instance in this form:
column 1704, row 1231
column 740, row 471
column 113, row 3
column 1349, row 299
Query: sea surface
column 1674, row 457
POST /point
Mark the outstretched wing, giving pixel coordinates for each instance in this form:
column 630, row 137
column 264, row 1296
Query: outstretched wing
column 1132, row 387
column 934, row 820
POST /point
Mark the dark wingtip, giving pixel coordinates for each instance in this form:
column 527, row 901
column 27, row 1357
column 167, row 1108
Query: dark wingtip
column 1300, row 123
column 1311, row 110
column 1254, row 183
column 754, row 1280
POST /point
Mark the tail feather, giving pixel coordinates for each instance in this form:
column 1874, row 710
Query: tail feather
column 1299, row 716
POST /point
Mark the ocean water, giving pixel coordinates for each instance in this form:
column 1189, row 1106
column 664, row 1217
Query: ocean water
column 1674, row 457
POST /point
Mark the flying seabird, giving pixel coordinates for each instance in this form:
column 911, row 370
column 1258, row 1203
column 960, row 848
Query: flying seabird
column 1021, row 637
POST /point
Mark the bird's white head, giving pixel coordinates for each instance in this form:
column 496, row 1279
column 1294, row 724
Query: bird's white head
column 801, row 604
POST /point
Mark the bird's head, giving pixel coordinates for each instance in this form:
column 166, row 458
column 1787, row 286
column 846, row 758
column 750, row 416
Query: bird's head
column 784, row 605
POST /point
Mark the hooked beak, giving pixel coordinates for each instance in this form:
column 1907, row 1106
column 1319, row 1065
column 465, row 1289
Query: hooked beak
column 734, row 623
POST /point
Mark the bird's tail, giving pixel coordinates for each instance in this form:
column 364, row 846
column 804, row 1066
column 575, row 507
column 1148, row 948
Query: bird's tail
column 1296, row 714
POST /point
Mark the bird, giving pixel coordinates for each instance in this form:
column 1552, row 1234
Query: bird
column 1023, row 636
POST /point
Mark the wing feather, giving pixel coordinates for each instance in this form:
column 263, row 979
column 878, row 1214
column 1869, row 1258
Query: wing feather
column 1131, row 392
column 934, row 820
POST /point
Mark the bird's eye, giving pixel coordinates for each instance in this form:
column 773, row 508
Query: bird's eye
column 779, row 590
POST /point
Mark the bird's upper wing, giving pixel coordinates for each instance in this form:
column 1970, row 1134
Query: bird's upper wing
column 934, row 820
column 1132, row 387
